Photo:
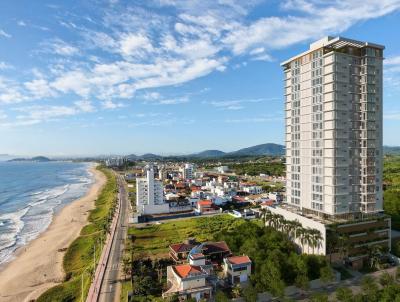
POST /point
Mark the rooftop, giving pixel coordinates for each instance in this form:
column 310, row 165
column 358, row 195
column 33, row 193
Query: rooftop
column 205, row 202
column 238, row 260
column 181, row 247
column 335, row 43
column 187, row 270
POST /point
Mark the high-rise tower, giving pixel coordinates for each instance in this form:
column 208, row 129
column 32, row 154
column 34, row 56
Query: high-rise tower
column 333, row 109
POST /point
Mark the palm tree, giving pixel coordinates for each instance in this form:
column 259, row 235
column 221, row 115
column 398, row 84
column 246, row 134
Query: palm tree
column 316, row 238
column 374, row 255
column 296, row 227
column 302, row 236
column 264, row 215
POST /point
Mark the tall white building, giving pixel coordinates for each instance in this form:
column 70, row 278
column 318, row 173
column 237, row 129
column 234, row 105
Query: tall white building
column 187, row 171
column 149, row 194
column 333, row 103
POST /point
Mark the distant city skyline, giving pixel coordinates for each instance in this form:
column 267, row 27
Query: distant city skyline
column 166, row 76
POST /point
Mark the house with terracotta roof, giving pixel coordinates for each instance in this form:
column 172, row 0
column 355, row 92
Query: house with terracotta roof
column 237, row 269
column 206, row 207
column 213, row 252
column 179, row 252
column 188, row 281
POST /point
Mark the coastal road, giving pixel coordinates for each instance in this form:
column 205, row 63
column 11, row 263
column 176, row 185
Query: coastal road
column 110, row 287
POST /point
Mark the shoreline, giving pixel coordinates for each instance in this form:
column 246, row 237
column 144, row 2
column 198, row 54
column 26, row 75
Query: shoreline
column 37, row 266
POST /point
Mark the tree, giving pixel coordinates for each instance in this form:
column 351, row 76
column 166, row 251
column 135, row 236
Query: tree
column 126, row 267
column 220, row 296
column 375, row 253
column 344, row 294
column 319, row 297
column 264, row 216
column 386, row 279
column 250, row 294
column 326, row 274
column 370, row 288
column 236, row 291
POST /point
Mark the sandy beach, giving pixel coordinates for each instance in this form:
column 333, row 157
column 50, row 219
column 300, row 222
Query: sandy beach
column 38, row 266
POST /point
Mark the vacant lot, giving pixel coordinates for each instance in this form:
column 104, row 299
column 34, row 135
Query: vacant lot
column 153, row 241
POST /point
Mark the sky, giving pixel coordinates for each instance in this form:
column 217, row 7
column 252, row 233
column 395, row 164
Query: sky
column 165, row 76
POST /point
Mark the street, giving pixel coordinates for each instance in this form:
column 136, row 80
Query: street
column 110, row 287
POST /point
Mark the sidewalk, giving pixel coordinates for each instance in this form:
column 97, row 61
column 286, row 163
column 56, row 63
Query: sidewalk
column 94, row 289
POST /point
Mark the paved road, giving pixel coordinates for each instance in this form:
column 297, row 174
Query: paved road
column 110, row 287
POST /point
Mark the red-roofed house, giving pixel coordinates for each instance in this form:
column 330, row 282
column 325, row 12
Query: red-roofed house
column 267, row 203
column 206, row 207
column 180, row 251
column 188, row 281
column 237, row 269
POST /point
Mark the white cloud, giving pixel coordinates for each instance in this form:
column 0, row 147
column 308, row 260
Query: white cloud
column 108, row 104
column 254, row 120
column 237, row 104
column 135, row 45
column 393, row 116
column 21, row 23
column 85, row 106
column 45, row 112
column 392, row 61
column 3, row 115
column 60, row 47
column 4, row 66
column 4, row 34
column 40, row 88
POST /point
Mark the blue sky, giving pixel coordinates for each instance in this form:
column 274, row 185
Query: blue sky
column 166, row 76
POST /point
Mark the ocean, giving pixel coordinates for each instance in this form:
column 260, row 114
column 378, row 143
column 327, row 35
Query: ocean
column 31, row 193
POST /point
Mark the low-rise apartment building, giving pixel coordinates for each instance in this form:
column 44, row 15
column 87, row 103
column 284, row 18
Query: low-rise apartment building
column 237, row 269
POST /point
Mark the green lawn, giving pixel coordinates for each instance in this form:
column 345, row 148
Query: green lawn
column 155, row 239
column 79, row 256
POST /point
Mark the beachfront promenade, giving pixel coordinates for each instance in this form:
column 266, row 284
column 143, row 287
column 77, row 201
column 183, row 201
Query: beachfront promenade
column 105, row 284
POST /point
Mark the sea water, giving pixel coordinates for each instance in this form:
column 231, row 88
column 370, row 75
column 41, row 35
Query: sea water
column 31, row 193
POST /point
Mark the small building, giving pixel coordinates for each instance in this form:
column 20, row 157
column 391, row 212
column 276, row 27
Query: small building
column 216, row 251
column 206, row 207
column 188, row 281
column 252, row 189
column 237, row 269
column 191, row 251
column 179, row 252
column 246, row 214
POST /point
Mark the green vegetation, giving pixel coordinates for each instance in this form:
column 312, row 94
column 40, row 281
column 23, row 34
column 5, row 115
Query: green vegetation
column 275, row 260
column 153, row 241
column 256, row 168
column 391, row 195
column 371, row 292
column 78, row 260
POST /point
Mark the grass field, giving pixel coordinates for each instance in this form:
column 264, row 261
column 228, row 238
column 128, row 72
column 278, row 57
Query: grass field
column 78, row 259
column 153, row 241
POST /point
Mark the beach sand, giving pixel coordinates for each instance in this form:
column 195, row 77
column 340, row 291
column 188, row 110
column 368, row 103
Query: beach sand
column 38, row 266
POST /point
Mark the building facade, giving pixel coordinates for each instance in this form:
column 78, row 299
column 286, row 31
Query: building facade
column 333, row 104
column 149, row 194
column 187, row 171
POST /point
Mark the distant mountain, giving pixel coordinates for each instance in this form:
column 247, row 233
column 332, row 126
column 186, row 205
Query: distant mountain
column 209, row 154
column 395, row 150
column 150, row 156
column 37, row 159
column 263, row 149
column 5, row 157
column 259, row 150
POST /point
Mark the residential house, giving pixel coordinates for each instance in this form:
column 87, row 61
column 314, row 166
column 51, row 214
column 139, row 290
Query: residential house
column 237, row 269
column 206, row 207
column 179, row 252
column 188, row 281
